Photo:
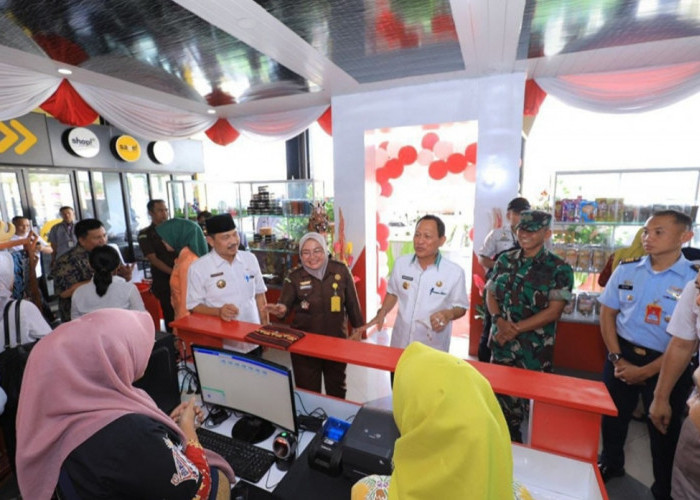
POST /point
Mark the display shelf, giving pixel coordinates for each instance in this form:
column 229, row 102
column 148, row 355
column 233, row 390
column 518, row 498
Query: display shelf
column 271, row 216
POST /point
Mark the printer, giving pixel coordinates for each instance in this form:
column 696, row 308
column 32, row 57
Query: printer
column 368, row 446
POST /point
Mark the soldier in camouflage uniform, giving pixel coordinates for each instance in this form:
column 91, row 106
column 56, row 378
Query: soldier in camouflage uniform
column 526, row 294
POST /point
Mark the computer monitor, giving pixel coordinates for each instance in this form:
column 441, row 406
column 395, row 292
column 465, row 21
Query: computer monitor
column 260, row 389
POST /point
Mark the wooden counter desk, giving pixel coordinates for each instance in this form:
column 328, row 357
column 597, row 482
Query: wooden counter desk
column 566, row 411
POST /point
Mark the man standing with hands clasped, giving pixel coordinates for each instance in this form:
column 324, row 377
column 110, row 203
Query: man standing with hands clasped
column 636, row 308
column 526, row 295
column 227, row 282
column 431, row 291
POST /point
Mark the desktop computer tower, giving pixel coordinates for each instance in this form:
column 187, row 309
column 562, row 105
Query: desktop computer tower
column 160, row 380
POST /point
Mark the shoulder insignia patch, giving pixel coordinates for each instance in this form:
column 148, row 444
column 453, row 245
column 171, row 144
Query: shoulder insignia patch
column 630, row 260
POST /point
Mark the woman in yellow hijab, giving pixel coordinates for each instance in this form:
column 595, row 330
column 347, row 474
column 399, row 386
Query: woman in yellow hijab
column 454, row 440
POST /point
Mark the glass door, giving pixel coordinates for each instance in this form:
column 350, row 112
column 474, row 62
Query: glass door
column 48, row 192
column 87, row 207
column 159, row 187
column 109, row 204
column 10, row 200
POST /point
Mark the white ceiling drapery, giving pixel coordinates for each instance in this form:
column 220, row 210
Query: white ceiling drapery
column 628, row 91
column 23, row 90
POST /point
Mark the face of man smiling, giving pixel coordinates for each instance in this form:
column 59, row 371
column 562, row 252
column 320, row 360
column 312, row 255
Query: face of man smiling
column 225, row 244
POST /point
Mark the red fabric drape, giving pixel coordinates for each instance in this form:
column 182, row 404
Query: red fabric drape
column 61, row 49
column 222, row 133
column 326, row 122
column 68, row 107
column 534, row 97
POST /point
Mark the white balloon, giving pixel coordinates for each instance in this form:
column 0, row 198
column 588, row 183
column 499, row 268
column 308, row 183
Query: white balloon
column 393, row 149
column 425, row 157
column 380, row 157
column 443, row 149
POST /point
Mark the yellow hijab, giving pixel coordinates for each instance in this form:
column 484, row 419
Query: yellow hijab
column 454, row 440
column 631, row 252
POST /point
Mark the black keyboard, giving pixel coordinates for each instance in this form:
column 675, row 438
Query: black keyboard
column 248, row 461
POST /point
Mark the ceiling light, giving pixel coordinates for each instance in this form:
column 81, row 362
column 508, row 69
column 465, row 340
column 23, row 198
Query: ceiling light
column 65, row 71
column 211, row 111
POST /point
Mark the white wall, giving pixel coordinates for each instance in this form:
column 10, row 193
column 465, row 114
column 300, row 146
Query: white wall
column 496, row 102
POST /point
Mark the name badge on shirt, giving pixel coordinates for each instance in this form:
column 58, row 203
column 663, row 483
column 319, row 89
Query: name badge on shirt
column 624, row 286
column 215, row 275
column 335, row 299
column 407, row 278
column 304, row 285
column 653, row 314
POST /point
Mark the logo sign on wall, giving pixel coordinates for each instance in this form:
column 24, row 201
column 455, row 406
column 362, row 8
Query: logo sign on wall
column 127, row 148
column 82, row 142
column 161, row 152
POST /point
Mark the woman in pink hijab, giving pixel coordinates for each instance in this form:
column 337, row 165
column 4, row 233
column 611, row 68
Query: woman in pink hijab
column 80, row 416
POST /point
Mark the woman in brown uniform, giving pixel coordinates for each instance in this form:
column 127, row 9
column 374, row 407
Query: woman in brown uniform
column 322, row 294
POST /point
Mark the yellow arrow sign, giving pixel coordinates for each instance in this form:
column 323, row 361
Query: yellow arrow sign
column 28, row 139
column 9, row 139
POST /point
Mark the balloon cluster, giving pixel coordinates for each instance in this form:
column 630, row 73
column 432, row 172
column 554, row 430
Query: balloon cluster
column 438, row 155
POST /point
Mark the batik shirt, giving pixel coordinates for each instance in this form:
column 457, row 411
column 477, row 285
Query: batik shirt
column 524, row 286
column 70, row 268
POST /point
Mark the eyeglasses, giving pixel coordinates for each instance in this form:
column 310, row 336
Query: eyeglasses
column 315, row 251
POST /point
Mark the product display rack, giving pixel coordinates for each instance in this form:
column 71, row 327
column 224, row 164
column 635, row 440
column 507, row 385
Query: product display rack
column 271, row 216
column 596, row 212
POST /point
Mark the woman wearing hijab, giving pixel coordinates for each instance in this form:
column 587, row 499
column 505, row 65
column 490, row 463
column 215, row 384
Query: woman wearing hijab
column 322, row 294
column 187, row 240
column 103, row 436
column 635, row 250
column 454, row 441
column 105, row 289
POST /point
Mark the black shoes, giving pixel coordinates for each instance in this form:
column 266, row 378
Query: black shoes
column 608, row 473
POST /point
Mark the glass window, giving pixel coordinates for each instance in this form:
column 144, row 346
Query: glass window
column 49, row 192
column 87, row 207
column 10, row 202
column 137, row 185
column 110, row 207
column 159, row 189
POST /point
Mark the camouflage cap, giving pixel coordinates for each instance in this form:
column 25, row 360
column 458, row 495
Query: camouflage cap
column 534, row 220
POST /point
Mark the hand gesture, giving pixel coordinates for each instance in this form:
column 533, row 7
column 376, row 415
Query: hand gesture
column 438, row 321
column 377, row 320
column 125, row 271
column 227, row 312
column 660, row 414
column 188, row 416
column 279, row 310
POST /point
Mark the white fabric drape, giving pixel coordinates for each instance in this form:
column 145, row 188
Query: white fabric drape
column 141, row 117
column 630, row 91
column 277, row 126
column 22, row 90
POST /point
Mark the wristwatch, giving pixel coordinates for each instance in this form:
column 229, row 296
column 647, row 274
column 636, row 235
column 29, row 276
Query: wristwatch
column 494, row 317
column 614, row 357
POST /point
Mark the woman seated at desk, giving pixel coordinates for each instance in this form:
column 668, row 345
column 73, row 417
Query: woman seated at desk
column 81, row 417
column 322, row 294
column 105, row 289
column 454, row 440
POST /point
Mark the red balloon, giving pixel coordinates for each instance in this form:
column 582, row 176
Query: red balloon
column 383, row 236
column 471, row 234
column 456, row 163
column 429, row 140
column 387, row 189
column 470, row 173
column 408, row 155
column 470, row 153
column 394, row 168
column 384, row 144
column 437, row 170
column 382, row 175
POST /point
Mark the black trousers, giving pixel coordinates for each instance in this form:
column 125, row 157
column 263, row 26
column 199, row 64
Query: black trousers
column 308, row 371
column 614, row 429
